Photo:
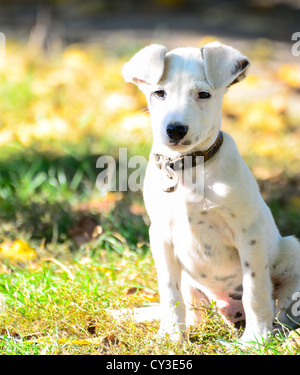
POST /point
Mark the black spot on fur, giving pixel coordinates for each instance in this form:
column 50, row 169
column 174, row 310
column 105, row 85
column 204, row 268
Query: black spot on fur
column 252, row 242
column 225, row 278
column 239, row 288
column 201, row 222
column 253, row 274
column 203, row 275
column 204, row 213
column 247, row 264
column 238, row 315
column 235, row 296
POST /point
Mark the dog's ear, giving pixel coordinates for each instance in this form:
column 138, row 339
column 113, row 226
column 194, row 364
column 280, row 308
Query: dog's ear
column 223, row 65
column 146, row 66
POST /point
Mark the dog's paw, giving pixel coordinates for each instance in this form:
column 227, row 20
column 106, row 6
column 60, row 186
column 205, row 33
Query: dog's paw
column 250, row 339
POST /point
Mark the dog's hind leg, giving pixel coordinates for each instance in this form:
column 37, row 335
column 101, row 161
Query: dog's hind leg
column 286, row 281
column 195, row 301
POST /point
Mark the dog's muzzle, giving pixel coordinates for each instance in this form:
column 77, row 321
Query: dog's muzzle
column 171, row 166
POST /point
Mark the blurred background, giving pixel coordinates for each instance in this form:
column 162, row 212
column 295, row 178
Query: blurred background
column 63, row 103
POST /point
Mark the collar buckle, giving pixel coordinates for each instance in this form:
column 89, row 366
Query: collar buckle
column 169, row 166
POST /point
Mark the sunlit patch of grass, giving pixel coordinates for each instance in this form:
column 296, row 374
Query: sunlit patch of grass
column 50, row 309
column 45, row 304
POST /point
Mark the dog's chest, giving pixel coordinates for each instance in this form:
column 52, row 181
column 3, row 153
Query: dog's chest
column 203, row 243
column 203, row 238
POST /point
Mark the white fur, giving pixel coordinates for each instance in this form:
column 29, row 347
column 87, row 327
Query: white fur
column 207, row 248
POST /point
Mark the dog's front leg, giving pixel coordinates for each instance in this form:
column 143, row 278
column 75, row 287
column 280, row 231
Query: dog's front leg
column 169, row 280
column 257, row 286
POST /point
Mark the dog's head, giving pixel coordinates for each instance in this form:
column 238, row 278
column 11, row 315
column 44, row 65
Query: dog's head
column 184, row 90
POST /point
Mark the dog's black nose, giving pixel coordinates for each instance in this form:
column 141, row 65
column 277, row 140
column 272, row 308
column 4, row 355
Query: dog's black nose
column 176, row 131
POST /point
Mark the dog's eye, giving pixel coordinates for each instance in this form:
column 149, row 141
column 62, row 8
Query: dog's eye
column 204, row 95
column 161, row 94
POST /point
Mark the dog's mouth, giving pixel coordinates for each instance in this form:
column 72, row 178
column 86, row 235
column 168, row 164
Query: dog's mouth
column 183, row 143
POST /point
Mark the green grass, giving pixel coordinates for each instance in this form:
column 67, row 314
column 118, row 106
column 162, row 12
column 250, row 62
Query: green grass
column 53, row 308
column 57, row 302
column 50, row 311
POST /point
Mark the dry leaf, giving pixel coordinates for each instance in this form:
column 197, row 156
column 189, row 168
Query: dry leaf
column 97, row 231
column 18, row 250
column 87, row 341
column 119, row 237
column 149, row 294
column 294, row 338
column 108, row 340
column 85, row 230
column 61, row 265
column 6, row 332
column 92, row 329
column 132, row 291
column 290, row 74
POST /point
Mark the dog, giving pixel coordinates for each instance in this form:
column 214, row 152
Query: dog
column 214, row 240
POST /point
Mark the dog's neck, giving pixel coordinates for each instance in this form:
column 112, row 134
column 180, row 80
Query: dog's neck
column 172, row 165
column 177, row 163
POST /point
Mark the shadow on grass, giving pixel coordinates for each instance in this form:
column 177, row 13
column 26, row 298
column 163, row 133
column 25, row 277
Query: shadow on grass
column 282, row 195
column 43, row 195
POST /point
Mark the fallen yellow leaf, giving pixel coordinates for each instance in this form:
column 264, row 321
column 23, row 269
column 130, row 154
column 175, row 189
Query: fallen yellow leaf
column 290, row 74
column 88, row 341
column 107, row 340
column 17, row 250
column 142, row 293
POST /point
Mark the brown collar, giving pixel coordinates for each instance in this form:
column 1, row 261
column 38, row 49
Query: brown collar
column 187, row 161
column 180, row 163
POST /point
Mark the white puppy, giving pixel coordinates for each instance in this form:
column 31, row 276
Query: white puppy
column 212, row 236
